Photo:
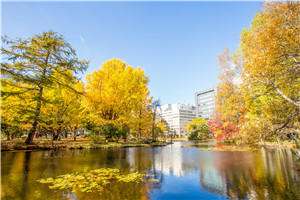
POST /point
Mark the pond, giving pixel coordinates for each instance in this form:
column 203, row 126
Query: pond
column 177, row 171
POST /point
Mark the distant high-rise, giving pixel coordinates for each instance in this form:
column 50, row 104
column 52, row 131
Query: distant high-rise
column 205, row 103
column 178, row 116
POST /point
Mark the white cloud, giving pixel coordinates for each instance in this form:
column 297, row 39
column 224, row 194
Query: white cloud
column 81, row 38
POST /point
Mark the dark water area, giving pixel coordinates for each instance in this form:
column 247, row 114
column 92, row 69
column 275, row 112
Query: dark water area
column 179, row 171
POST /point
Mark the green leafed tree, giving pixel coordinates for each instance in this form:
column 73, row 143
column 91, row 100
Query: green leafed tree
column 64, row 111
column 198, row 129
column 33, row 64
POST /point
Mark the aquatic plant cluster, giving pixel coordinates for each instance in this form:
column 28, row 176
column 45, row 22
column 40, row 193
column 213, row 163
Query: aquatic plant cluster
column 221, row 147
column 208, row 146
column 94, row 180
column 228, row 149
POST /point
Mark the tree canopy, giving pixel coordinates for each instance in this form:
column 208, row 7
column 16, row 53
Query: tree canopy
column 33, row 66
column 118, row 94
column 258, row 94
column 198, row 129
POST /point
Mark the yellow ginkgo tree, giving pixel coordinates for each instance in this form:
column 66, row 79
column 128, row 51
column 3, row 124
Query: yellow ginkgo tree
column 118, row 94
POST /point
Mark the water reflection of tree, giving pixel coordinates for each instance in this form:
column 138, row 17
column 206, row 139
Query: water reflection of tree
column 9, row 175
column 261, row 175
column 158, row 175
column 26, row 170
column 128, row 160
column 20, row 181
column 118, row 190
column 145, row 162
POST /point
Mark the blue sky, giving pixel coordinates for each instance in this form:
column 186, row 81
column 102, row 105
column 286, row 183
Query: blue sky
column 176, row 43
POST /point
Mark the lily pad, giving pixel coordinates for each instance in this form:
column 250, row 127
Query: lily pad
column 154, row 180
column 94, row 180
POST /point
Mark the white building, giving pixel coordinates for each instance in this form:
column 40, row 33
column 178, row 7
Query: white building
column 205, row 103
column 178, row 116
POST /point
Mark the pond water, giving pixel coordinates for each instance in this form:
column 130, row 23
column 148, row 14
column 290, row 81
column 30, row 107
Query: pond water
column 178, row 171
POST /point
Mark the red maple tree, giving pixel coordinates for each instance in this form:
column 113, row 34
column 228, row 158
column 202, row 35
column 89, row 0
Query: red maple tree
column 225, row 131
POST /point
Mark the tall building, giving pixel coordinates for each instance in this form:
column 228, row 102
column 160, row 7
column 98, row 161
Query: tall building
column 205, row 103
column 178, row 116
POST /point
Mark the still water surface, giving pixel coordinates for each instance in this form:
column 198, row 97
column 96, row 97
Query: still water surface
column 181, row 171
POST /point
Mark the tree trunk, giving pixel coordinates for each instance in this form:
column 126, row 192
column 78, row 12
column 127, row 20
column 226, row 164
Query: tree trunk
column 139, row 134
column 278, row 140
column 153, row 124
column 58, row 133
column 31, row 133
column 55, row 136
column 74, row 133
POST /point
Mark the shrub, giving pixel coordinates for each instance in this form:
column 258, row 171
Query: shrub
column 193, row 136
column 24, row 137
column 108, row 130
column 124, row 132
column 97, row 139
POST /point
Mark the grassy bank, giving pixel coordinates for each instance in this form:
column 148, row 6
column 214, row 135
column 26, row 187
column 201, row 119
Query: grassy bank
column 283, row 144
column 213, row 145
column 47, row 144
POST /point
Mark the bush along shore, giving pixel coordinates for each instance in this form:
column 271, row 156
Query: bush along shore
column 66, row 144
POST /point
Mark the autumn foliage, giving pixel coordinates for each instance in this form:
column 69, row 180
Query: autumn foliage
column 118, row 94
column 223, row 130
column 258, row 93
column 40, row 92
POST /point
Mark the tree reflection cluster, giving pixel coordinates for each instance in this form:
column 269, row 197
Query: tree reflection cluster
column 267, row 174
